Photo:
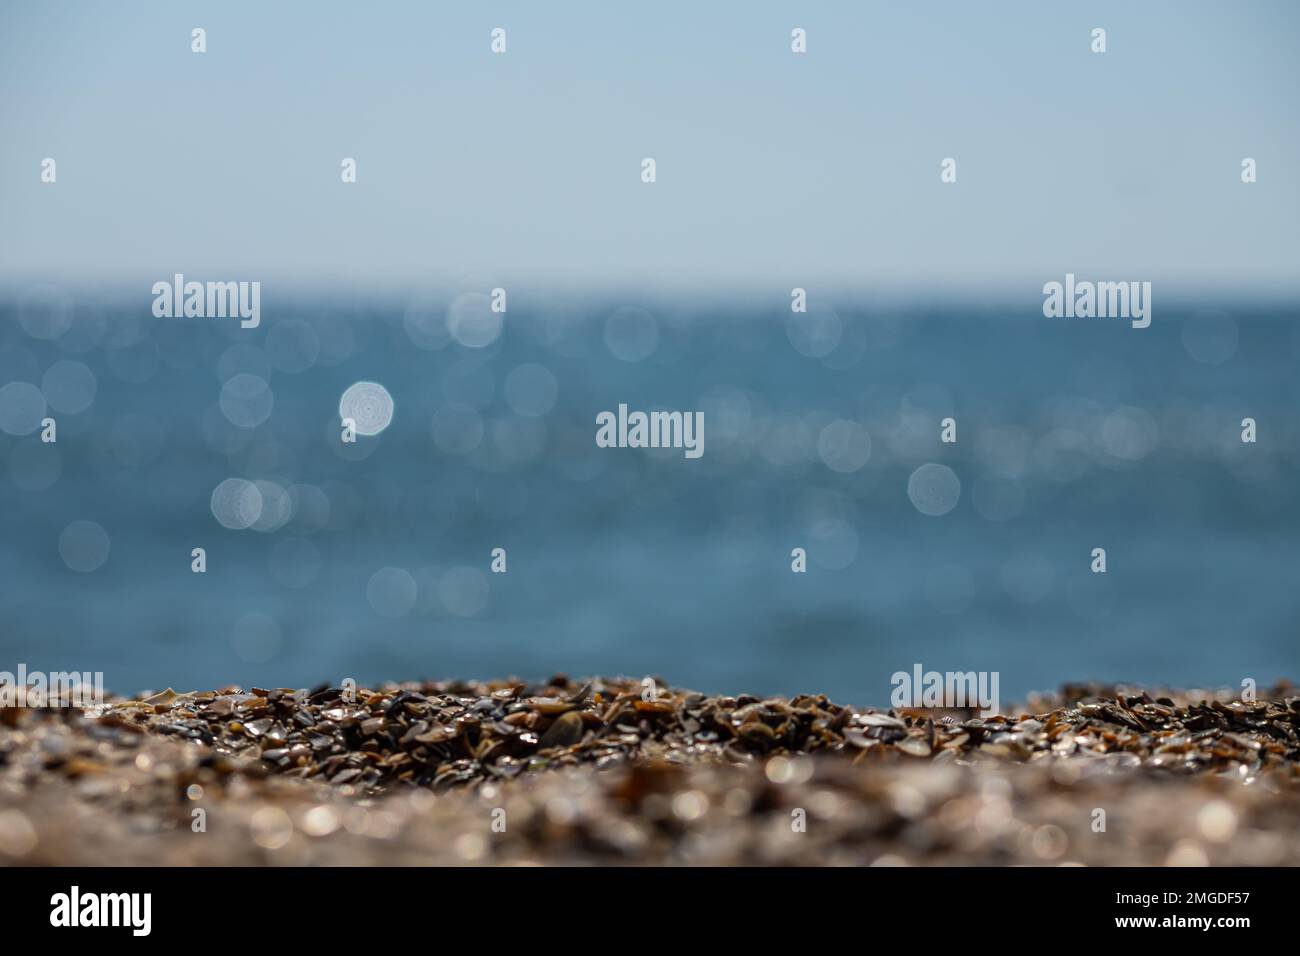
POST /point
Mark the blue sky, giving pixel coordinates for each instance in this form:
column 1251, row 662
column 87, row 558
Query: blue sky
column 771, row 166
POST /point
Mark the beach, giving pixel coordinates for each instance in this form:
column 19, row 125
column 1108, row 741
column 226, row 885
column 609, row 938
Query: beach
column 632, row 772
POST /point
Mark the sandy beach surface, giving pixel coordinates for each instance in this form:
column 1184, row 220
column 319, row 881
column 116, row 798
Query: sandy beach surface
column 615, row 771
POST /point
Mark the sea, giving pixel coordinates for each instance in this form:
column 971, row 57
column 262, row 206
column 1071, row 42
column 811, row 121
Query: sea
column 198, row 519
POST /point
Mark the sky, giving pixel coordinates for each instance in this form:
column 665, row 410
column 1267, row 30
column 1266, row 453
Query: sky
column 771, row 166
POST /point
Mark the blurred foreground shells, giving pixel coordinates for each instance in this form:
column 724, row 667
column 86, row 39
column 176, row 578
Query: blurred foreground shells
column 604, row 772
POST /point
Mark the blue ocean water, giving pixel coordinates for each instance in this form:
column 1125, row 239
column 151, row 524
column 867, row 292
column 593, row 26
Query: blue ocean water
column 371, row 560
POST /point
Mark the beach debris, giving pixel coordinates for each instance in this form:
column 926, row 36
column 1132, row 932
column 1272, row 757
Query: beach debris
column 413, row 773
column 446, row 734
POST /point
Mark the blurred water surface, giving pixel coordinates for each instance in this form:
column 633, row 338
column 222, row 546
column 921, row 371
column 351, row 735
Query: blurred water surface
column 371, row 561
